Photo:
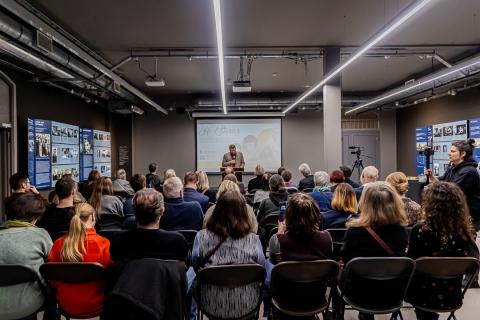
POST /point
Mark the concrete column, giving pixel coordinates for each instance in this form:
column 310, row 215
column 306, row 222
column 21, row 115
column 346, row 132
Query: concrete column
column 388, row 143
column 332, row 113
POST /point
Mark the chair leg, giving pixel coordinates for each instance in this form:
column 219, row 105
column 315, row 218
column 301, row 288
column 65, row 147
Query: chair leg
column 452, row 316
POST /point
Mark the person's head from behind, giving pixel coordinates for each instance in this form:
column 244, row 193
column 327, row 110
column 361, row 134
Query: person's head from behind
column 461, row 151
column 321, row 179
column 369, row 174
column 347, row 172
column 19, row 182
column 28, row 207
column 169, row 173
column 121, row 174
column 276, row 183
column 173, row 188
column 259, row 170
column 379, row 205
column 280, row 170
column 336, row 177
column 152, row 167
column 229, row 170
column 225, row 186
column 148, row 207
column 266, row 181
column 94, row 175
column 445, row 211
column 344, row 199
column 202, row 181
column 230, row 216
column 230, row 177
column 304, row 169
column 302, row 216
column 73, row 248
column 190, row 180
column 102, row 187
column 233, row 149
column 286, row 175
column 138, row 182
column 65, row 188
column 399, row 181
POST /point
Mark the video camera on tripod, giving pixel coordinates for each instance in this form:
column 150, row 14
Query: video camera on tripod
column 358, row 152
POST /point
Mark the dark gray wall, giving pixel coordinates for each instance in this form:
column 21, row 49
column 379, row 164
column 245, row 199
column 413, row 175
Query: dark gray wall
column 465, row 105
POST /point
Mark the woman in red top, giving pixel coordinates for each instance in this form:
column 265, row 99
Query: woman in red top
column 81, row 244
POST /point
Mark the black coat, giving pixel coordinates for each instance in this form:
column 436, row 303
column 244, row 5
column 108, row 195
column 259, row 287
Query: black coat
column 465, row 175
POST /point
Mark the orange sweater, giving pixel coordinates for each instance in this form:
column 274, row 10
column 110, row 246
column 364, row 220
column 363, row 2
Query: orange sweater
column 84, row 298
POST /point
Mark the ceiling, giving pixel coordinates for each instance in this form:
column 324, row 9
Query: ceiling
column 116, row 29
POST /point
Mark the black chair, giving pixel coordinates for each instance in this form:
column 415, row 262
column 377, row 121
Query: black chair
column 229, row 276
column 307, row 190
column 440, row 269
column 366, row 281
column 309, row 281
column 57, row 234
column 292, row 190
column 110, row 233
column 265, row 226
column 74, row 273
column 338, row 237
column 11, row 274
column 249, row 198
column 189, row 236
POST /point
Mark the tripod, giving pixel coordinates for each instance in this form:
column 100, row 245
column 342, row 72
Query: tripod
column 358, row 164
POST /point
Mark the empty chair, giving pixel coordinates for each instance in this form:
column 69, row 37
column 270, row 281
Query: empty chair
column 445, row 274
column 309, row 281
column 243, row 276
column 366, row 281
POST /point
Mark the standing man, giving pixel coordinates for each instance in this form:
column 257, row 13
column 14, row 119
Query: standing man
column 233, row 158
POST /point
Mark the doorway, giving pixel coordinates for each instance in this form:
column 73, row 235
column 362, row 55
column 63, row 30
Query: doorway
column 367, row 142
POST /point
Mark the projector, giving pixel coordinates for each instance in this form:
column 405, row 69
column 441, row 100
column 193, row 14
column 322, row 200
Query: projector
column 154, row 82
column 242, row 86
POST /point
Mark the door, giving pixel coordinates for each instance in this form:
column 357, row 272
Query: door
column 366, row 151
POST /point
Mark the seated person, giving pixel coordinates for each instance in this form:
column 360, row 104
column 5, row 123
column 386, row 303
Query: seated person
column 369, row 174
column 445, row 231
column 262, row 194
column 299, row 238
column 287, row 177
column 336, row 177
column 120, row 184
column 147, row 240
column 413, row 210
column 109, row 208
column 203, row 186
column 256, row 183
column 229, row 231
column 138, row 182
column 229, row 174
column 180, row 214
column 22, row 243
column 321, row 193
column 89, row 186
column 53, row 198
column 153, row 180
column 344, row 207
column 57, row 217
column 81, row 244
column 277, row 194
column 190, row 192
column 307, row 181
column 347, row 173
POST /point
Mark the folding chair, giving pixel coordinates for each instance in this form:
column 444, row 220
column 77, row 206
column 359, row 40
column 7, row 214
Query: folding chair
column 308, row 281
column 110, row 233
column 338, row 237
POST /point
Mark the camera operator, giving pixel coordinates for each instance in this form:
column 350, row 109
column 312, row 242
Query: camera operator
column 463, row 172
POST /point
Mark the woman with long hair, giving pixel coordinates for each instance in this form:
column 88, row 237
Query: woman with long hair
column 203, row 186
column 262, row 194
column 344, row 207
column 109, row 208
column 81, row 244
column 399, row 181
column 445, row 230
column 228, row 239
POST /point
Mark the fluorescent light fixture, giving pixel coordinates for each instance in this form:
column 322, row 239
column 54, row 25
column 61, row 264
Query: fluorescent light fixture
column 238, row 115
column 434, row 77
column 218, row 27
column 137, row 110
column 392, row 26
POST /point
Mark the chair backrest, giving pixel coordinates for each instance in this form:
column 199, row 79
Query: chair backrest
column 11, row 274
column 307, row 190
column 57, row 234
column 271, row 219
column 110, row 233
column 189, row 236
column 72, row 272
column 338, row 234
column 366, row 280
column 308, row 279
column 292, row 190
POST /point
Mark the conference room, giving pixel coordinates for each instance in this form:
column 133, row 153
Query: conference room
column 186, row 104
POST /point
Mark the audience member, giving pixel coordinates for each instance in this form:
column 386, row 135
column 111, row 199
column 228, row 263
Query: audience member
column 287, row 177
column 180, row 214
column 445, row 230
column 280, row 170
column 87, row 188
column 109, row 208
column 307, row 181
column 228, row 239
column 169, row 173
column 148, row 240
column 153, row 180
column 138, row 182
column 277, row 194
column 228, row 185
column 190, row 192
column 22, row 243
column 81, row 244
column 263, row 193
column 347, row 173
column 399, row 181
column 120, row 185
column 57, row 217
column 256, row 183
column 53, row 198
column 300, row 238
column 369, row 174
column 336, row 177
column 203, row 186
column 321, row 193
column 344, row 207
column 233, row 178
column 20, row 184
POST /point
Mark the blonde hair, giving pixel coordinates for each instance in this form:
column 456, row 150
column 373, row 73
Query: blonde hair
column 379, row 205
column 399, row 181
column 103, row 186
column 169, row 173
column 344, row 198
column 73, row 247
column 227, row 185
column 202, row 181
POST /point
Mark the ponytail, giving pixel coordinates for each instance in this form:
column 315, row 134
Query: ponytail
column 73, row 247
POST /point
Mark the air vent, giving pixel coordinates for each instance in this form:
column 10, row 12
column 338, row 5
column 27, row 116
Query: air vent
column 359, row 124
column 44, row 41
column 116, row 87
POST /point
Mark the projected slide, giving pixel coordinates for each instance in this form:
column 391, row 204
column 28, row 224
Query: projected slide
column 260, row 141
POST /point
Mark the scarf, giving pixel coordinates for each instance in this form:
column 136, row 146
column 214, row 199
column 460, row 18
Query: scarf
column 18, row 224
column 321, row 189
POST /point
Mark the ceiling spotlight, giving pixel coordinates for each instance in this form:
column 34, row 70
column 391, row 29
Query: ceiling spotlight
column 425, row 99
column 397, row 103
column 170, row 109
column 137, row 110
column 239, row 108
column 421, row 57
column 303, row 108
column 275, row 74
column 271, row 107
column 386, row 57
column 452, row 92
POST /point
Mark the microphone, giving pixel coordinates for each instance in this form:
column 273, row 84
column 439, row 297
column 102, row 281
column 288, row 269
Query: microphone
column 234, row 157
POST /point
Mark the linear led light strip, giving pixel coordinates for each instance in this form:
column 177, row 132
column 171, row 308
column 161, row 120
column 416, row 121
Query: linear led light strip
column 416, row 85
column 397, row 22
column 218, row 27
